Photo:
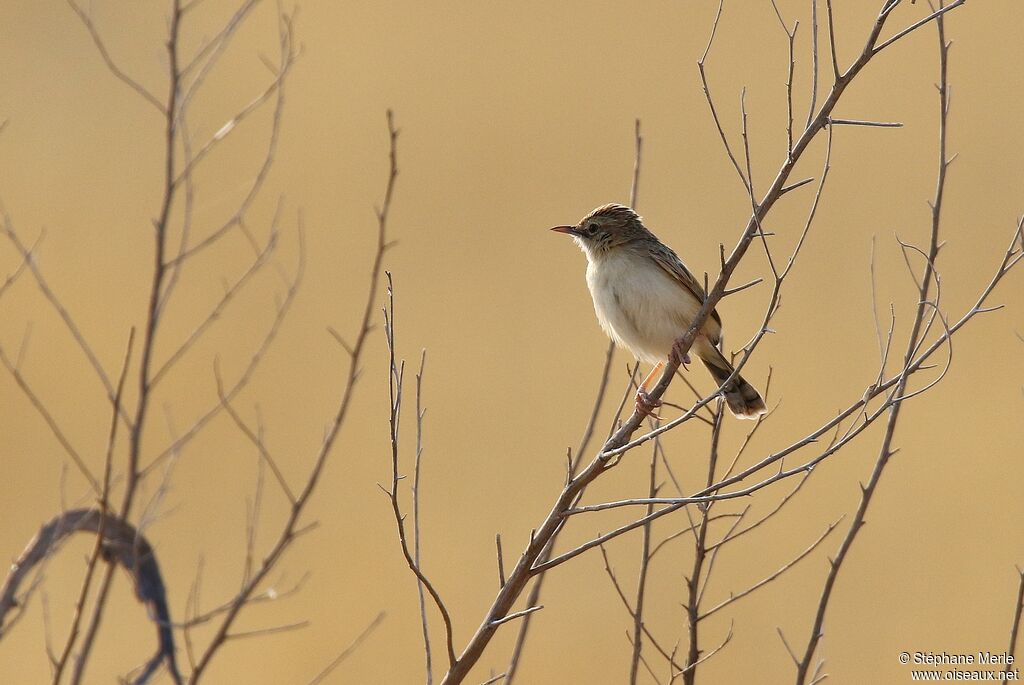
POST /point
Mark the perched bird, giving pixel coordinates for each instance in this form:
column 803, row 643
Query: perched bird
column 646, row 298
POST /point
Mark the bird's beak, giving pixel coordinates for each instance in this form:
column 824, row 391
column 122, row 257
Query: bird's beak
column 570, row 230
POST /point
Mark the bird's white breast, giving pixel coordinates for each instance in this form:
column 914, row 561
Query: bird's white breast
column 639, row 305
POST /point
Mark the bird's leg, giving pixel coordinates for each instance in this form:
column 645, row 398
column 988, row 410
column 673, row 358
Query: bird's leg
column 678, row 354
column 645, row 404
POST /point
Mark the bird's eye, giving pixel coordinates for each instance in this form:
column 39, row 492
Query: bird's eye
column 591, row 229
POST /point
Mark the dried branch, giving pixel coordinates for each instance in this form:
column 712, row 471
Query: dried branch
column 1017, row 610
column 634, row 189
column 292, row 529
column 791, row 39
column 711, row 104
column 814, row 64
column 345, row 653
column 525, row 568
column 229, row 394
column 670, row 657
column 767, row 579
column 27, row 255
column 764, row 519
column 700, row 551
column 917, row 24
column 517, row 614
column 217, row 311
column 832, row 40
column 161, row 225
column 237, row 219
column 98, row 548
column 859, row 122
column 913, row 344
column 101, row 47
column 535, row 592
column 420, row 411
column 255, row 439
column 641, row 583
column 708, row 655
column 51, row 422
column 395, row 375
column 289, row 55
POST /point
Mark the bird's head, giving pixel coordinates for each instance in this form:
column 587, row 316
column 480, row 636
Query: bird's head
column 605, row 228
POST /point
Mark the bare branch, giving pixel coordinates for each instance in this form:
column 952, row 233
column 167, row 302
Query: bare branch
column 292, row 529
column 641, row 584
column 860, row 122
column 918, row 24
column 27, row 255
column 706, row 656
column 631, row 612
column 255, row 439
column 711, row 103
column 283, row 308
column 98, row 548
column 635, row 187
column 526, row 565
column 791, row 38
column 535, row 592
column 517, row 614
column 1017, row 610
column 420, row 411
column 51, row 422
column 764, row 581
column 794, row 186
column 885, row 450
column 109, row 61
column 832, row 40
column 322, row 675
column 229, row 294
column 814, row 64
column 395, row 374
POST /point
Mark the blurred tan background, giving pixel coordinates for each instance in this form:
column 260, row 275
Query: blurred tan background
column 514, row 118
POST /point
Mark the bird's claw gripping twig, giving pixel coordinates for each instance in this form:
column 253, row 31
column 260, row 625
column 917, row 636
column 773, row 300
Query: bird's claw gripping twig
column 679, row 355
column 645, row 404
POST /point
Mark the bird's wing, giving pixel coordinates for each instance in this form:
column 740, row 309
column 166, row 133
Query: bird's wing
column 667, row 260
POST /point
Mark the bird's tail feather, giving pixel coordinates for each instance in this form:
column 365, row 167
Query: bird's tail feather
column 743, row 400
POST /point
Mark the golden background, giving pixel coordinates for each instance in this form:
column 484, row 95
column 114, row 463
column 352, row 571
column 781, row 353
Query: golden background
column 514, row 117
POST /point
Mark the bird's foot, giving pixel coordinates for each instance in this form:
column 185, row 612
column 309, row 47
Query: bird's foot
column 645, row 404
column 678, row 355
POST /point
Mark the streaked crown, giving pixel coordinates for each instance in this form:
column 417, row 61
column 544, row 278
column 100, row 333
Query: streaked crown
column 610, row 226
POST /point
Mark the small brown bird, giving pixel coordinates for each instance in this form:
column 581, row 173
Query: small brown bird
column 646, row 298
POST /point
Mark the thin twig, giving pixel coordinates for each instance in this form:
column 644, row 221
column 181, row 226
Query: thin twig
column 291, row 529
column 345, row 653
column 104, row 506
column 1017, row 610
column 420, row 411
column 708, row 655
column 767, row 579
column 641, row 583
column 28, row 255
column 694, row 579
column 50, row 421
column 629, row 609
column 518, row 614
column 588, row 433
column 886, row 450
column 832, row 40
column 711, row 104
column 101, row 47
column 395, row 375
column 860, row 122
